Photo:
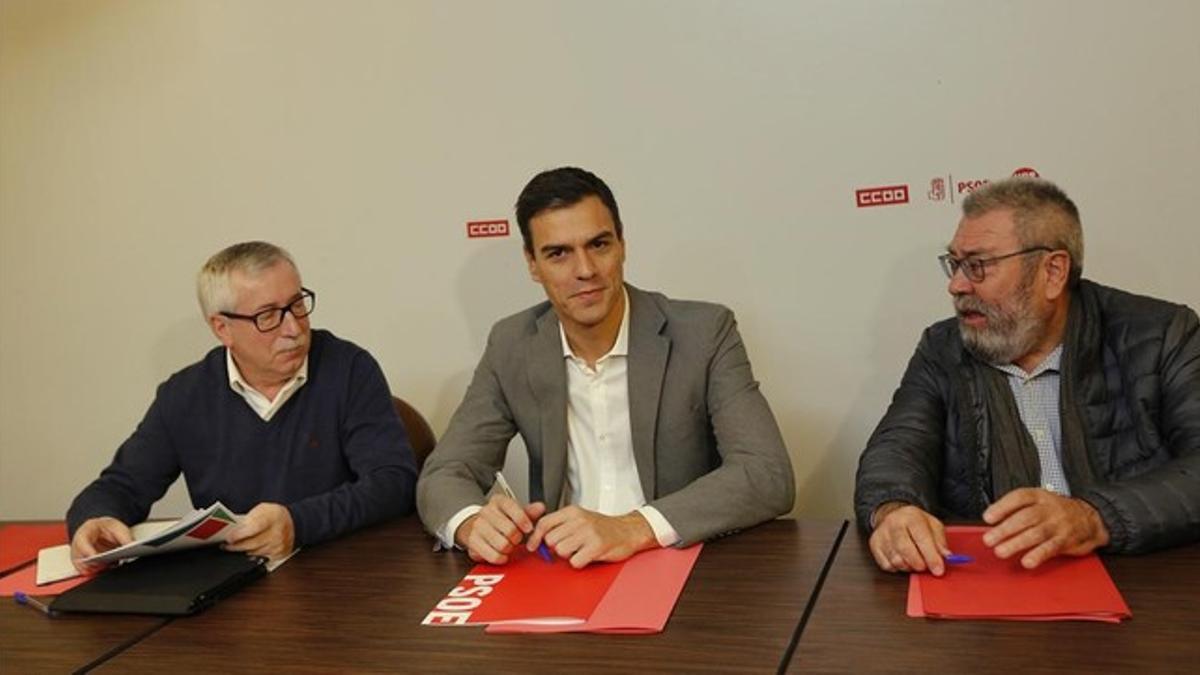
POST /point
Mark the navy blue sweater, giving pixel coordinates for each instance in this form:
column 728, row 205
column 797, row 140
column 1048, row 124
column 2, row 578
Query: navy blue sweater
column 336, row 454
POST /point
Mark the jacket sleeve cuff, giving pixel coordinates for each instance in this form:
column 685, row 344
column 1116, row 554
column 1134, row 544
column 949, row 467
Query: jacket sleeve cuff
column 1118, row 528
column 866, row 508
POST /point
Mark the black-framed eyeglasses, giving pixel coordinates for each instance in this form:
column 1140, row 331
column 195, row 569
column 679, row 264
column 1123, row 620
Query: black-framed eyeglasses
column 975, row 269
column 271, row 318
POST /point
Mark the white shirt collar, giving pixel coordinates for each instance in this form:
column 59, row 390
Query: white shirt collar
column 619, row 348
column 264, row 407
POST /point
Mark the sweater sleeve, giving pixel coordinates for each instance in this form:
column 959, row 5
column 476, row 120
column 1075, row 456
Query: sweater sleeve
column 377, row 451
column 144, row 467
column 1161, row 507
column 903, row 457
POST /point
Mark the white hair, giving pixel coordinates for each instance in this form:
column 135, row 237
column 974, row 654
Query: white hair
column 213, row 287
column 1043, row 214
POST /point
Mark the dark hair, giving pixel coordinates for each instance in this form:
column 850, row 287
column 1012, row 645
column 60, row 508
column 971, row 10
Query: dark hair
column 560, row 188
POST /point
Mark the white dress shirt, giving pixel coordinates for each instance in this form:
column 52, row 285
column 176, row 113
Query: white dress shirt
column 602, row 474
column 263, row 406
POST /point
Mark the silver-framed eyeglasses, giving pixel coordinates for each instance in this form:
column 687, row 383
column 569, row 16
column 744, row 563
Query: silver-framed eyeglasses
column 975, row 269
column 271, row 318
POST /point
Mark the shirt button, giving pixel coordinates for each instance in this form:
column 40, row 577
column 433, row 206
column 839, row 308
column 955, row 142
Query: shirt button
column 1050, row 488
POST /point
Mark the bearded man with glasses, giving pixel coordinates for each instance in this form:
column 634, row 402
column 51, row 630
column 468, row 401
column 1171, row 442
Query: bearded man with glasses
column 291, row 426
column 1063, row 413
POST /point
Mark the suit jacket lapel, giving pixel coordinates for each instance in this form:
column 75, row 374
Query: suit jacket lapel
column 548, row 381
column 648, row 352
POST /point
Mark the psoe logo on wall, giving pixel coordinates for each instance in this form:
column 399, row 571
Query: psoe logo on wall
column 885, row 195
column 965, row 186
column 937, row 189
column 942, row 188
column 487, row 228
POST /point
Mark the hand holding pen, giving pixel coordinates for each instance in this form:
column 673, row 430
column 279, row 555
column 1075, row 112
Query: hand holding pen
column 542, row 549
column 498, row 528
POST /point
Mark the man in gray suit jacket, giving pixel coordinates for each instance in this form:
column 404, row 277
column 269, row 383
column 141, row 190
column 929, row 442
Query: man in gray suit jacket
column 642, row 419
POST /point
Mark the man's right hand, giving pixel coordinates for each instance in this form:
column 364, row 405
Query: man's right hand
column 97, row 535
column 907, row 539
column 501, row 524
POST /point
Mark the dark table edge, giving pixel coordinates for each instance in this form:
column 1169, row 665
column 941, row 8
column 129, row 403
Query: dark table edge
column 812, row 599
column 98, row 661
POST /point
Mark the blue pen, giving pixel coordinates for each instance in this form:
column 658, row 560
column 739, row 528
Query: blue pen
column 40, row 606
column 959, row 559
column 542, row 549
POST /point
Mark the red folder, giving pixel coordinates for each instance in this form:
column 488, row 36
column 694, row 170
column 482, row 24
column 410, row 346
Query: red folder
column 1064, row 588
column 19, row 546
column 530, row 595
column 20, row 542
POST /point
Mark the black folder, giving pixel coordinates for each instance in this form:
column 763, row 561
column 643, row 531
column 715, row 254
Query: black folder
column 171, row 584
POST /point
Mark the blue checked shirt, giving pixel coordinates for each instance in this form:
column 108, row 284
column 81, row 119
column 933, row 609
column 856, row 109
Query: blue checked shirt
column 1037, row 394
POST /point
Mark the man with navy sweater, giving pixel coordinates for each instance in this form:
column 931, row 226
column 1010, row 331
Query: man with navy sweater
column 293, row 427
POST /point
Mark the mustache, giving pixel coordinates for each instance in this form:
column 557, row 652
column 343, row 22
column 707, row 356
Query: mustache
column 970, row 303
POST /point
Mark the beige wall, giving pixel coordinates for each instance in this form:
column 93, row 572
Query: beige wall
column 138, row 137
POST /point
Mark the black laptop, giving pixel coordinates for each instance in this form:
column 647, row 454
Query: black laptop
column 171, row 584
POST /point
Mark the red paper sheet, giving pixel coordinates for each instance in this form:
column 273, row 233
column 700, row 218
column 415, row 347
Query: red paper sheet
column 25, row 580
column 20, row 542
column 1064, row 588
column 530, row 595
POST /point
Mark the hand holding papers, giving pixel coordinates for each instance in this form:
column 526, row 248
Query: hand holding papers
column 991, row 588
column 202, row 527
column 266, row 531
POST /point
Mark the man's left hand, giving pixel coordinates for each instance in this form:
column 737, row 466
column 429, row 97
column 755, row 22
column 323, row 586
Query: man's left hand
column 584, row 536
column 267, row 531
column 1043, row 525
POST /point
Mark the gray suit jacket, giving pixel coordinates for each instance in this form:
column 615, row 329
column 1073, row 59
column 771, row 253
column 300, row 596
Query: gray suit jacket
column 709, row 453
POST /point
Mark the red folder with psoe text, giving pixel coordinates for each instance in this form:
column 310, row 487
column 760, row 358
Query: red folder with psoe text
column 1060, row 589
column 530, row 595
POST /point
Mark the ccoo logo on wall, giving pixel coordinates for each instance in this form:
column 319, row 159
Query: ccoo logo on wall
column 884, row 195
column 487, row 228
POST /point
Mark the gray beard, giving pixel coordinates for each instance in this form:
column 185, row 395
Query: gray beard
column 1010, row 332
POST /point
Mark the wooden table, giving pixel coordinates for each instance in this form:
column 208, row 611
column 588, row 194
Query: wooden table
column 858, row 625
column 31, row 642
column 357, row 604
